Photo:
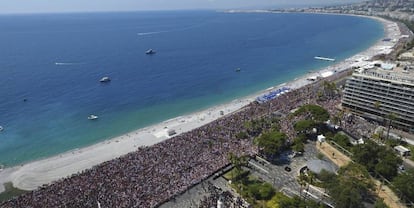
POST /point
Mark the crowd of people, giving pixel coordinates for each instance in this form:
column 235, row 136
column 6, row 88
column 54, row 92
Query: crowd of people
column 358, row 127
column 153, row 175
column 227, row 199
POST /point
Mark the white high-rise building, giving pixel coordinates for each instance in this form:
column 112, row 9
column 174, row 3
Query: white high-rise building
column 381, row 92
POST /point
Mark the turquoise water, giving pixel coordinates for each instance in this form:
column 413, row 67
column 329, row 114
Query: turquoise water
column 197, row 53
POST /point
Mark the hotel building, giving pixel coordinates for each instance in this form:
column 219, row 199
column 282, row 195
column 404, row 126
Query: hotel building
column 376, row 93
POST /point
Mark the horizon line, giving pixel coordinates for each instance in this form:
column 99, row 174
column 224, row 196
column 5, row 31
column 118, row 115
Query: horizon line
column 269, row 7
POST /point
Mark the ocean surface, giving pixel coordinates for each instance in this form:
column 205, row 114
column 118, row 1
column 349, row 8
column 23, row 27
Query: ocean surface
column 55, row 61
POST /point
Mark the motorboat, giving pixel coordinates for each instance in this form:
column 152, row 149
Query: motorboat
column 92, row 117
column 1, row 128
column 150, row 51
column 105, row 79
column 323, row 58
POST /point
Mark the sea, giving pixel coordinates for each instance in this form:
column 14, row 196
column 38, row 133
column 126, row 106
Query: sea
column 51, row 64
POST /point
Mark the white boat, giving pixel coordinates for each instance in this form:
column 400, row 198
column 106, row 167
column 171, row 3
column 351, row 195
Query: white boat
column 92, row 117
column 324, row 58
column 150, row 51
column 105, row 79
column 1, row 128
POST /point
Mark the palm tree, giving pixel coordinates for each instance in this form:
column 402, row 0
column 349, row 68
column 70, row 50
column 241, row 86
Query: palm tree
column 337, row 117
column 391, row 117
column 329, row 89
column 377, row 105
column 237, row 162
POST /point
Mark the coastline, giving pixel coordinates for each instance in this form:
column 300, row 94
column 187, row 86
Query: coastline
column 32, row 175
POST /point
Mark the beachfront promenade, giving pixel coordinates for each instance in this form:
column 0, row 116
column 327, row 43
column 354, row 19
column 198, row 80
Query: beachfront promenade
column 153, row 174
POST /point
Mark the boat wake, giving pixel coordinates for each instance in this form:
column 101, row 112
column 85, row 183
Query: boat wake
column 173, row 30
column 66, row 63
column 151, row 33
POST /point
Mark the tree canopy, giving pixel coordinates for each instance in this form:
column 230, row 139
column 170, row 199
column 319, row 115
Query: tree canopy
column 256, row 126
column 298, row 145
column 262, row 191
column 282, row 201
column 380, row 204
column 271, row 143
column 237, row 162
column 350, row 187
column 377, row 159
column 304, row 126
column 317, row 113
column 328, row 90
column 404, row 183
column 342, row 140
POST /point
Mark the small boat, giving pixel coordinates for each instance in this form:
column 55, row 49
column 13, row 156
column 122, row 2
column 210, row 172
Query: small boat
column 237, row 70
column 323, row 58
column 150, row 51
column 92, row 117
column 105, row 79
column 1, row 128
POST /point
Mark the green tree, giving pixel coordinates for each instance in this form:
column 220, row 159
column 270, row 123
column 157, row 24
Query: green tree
column 339, row 116
column 351, row 186
column 304, row 126
column 404, row 183
column 297, row 202
column 388, row 163
column 316, row 112
column 380, row 204
column 242, row 135
column 342, row 140
column 298, row 145
column 377, row 105
column 347, row 196
column 237, row 162
column 329, row 89
column 391, row 117
column 271, row 143
column 253, row 127
column 328, row 178
column 376, row 158
column 366, row 154
column 376, row 136
column 262, row 191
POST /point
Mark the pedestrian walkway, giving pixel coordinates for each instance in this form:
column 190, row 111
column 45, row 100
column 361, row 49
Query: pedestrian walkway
column 333, row 154
column 383, row 191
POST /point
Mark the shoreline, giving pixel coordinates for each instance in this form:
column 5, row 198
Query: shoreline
column 31, row 175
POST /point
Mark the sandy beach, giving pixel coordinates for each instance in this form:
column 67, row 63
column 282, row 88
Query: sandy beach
column 32, row 175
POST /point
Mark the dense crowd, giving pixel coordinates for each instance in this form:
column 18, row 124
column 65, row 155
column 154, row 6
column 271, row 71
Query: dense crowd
column 149, row 176
column 153, row 175
column 358, row 127
column 227, row 199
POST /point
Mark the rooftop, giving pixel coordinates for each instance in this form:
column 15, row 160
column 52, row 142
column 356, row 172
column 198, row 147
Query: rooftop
column 388, row 71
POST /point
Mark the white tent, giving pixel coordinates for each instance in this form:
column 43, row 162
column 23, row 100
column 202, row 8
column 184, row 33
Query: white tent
column 321, row 138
